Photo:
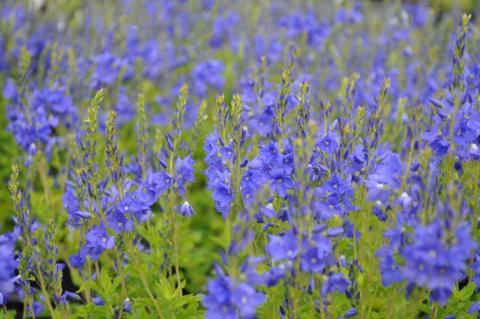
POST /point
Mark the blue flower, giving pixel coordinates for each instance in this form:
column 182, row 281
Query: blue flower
column 440, row 145
column 97, row 241
column 385, row 178
column 98, row 301
column 133, row 204
column 218, row 301
column 359, row 158
column 326, row 209
column 184, row 172
column 388, row 267
column 106, row 71
column 186, row 209
column 474, row 309
column 10, row 91
column 219, row 177
column 336, row 283
column 336, row 185
column 379, row 212
column 208, row 73
column 329, row 143
column 266, row 211
column 247, row 300
column 223, row 197
column 276, row 273
column 282, row 247
column 8, row 264
column 158, row 183
column 76, row 217
column 124, row 107
column 316, row 255
column 252, row 180
column 350, row 313
column 36, row 307
column 229, row 299
column 223, row 28
column 269, row 153
column 78, row 260
column 49, row 109
column 119, row 221
column 281, row 182
column 226, row 153
column 263, row 122
column 127, row 307
column 211, row 146
column 430, row 263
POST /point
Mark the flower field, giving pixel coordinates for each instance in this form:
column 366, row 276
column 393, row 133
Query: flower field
column 239, row 159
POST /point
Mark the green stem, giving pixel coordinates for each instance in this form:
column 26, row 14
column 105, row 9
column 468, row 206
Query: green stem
column 409, row 165
column 318, row 288
column 452, row 120
column 87, row 294
column 173, row 214
column 43, row 172
column 435, row 311
column 43, row 288
column 124, row 286
column 150, row 295
column 175, row 248
column 144, row 281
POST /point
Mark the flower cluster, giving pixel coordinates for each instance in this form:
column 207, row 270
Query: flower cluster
column 219, row 159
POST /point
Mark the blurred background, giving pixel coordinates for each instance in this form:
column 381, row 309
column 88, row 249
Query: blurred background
column 471, row 6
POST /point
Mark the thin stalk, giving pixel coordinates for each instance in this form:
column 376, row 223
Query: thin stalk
column 42, row 169
column 409, row 164
column 43, row 288
column 150, row 295
column 175, row 249
column 173, row 215
column 144, row 281
column 124, row 286
column 87, row 294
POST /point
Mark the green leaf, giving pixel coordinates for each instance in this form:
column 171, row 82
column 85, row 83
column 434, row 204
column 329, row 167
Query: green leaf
column 465, row 293
column 92, row 311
